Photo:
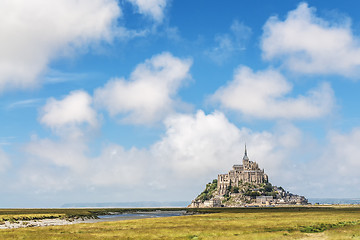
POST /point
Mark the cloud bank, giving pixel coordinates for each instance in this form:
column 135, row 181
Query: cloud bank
column 194, row 147
column 193, row 150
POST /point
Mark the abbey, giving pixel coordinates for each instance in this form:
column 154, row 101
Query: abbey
column 245, row 185
column 247, row 172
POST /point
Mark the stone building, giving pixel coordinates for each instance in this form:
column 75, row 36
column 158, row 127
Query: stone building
column 264, row 200
column 215, row 202
column 247, row 172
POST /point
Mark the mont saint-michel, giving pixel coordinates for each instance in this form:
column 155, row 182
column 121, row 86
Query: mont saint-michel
column 245, row 185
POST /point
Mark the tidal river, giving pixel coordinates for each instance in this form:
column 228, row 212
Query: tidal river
column 138, row 215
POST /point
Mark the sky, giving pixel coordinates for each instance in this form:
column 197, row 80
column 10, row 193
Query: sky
column 148, row 100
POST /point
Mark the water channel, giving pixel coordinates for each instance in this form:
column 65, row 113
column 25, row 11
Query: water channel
column 139, row 215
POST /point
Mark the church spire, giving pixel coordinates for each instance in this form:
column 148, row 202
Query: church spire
column 245, row 156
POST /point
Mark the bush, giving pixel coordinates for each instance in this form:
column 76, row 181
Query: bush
column 268, row 187
column 254, row 194
column 207, row 194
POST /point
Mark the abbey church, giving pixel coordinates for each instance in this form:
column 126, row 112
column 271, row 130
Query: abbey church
column 247, row 172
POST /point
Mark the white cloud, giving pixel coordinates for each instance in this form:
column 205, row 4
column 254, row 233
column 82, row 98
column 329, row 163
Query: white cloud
column 35, row 32
column 200, row 146
column 67, row 164
column 121, row 167
column 67, row 153
column 194, row 144
column 230, row 43
column 328, row 169
column 263, row 94
column 24, row 103
column 343, row 154
column 6, row 140
column 4, row 161
column 308, row 44
column 152, row 8
column 338, row 166
column 72, row 111
column 149, row 94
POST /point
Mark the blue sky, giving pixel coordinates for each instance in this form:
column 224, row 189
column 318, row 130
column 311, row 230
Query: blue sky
column 132, row 100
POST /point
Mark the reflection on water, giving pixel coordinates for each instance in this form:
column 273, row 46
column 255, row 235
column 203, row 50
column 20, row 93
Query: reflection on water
column 139, row 215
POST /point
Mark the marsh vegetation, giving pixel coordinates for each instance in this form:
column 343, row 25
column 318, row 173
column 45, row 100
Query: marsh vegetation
column 222, row 223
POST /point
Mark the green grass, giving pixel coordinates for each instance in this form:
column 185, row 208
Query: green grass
column 226, row 223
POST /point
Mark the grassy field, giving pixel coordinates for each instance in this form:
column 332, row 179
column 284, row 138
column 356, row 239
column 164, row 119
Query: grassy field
column 242, row 223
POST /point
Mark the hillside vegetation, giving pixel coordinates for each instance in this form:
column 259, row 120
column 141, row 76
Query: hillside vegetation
column 243, row 193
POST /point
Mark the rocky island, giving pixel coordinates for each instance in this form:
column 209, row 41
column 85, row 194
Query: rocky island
column 245, row 185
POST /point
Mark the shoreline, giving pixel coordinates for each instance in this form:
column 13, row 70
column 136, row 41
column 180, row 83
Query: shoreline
column 102, row 218
column 42, row 223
